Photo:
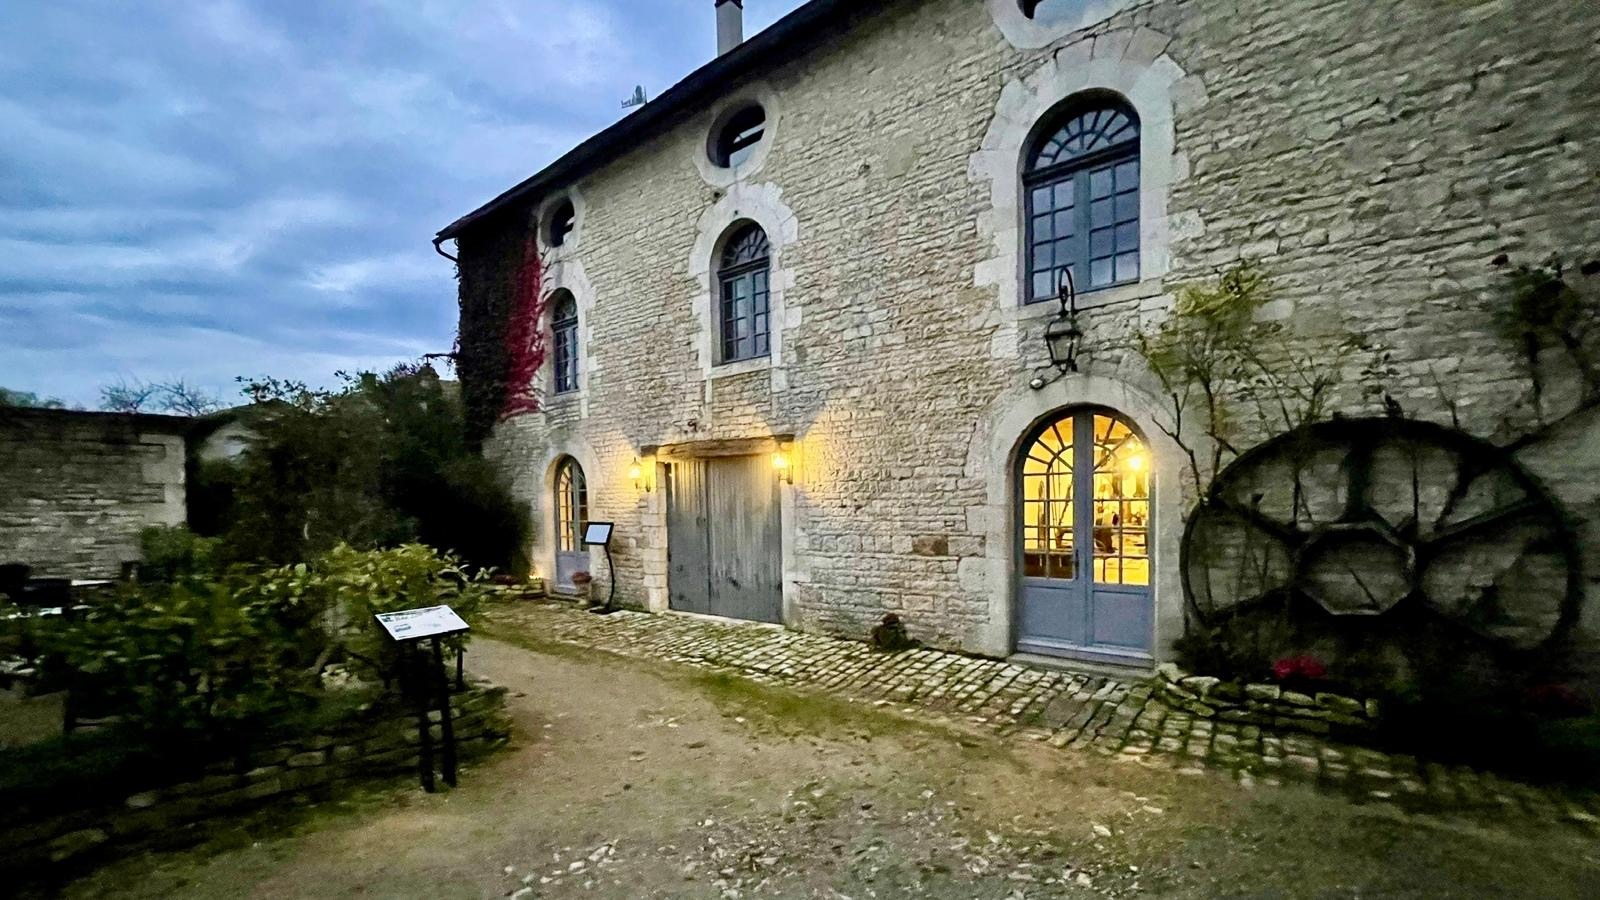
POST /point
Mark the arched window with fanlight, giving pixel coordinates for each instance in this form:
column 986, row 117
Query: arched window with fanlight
column 572, row 514
column 744, row 308
column 564, row 340
column 1081, row 178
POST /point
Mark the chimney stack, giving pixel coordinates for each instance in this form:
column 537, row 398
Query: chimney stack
column 730, row 25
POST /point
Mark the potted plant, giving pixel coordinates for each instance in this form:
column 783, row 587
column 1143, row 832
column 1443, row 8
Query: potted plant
column 583, row 582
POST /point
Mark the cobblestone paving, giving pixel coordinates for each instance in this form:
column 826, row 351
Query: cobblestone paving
column 1085, row 712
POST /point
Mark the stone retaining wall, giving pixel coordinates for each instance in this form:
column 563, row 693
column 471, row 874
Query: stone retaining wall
column 76, row 488
column 37, row 838
column 1266, row 705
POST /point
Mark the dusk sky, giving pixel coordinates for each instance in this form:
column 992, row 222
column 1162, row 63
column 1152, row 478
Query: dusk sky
column 221, row 188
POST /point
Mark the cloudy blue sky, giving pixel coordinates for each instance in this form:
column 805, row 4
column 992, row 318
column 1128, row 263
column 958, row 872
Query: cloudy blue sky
column 216, row 188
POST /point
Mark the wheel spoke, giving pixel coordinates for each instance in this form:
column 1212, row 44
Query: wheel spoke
column 1288, row 534
column 1358, row 481
column 1480, row 522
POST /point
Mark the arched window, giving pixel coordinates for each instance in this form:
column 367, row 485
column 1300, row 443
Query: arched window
column 564, row 331
column 572, row 514
column 1082, row 186
column 572, row 505
column 744, row 311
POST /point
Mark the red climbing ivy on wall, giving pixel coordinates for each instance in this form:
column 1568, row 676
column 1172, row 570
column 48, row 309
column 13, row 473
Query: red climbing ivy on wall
column 526, row 344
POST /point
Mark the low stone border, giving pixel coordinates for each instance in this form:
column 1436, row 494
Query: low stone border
column 37, row 839
column 1266, row 705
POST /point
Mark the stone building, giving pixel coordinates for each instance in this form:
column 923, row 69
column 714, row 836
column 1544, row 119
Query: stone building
column 76, row 488
column 795, row 305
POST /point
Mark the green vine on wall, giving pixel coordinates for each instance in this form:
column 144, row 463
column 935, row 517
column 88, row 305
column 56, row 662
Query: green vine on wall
column 1554, row 308
column 1227, row 374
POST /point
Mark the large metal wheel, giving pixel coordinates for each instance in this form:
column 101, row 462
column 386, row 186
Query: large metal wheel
column 1381, row 524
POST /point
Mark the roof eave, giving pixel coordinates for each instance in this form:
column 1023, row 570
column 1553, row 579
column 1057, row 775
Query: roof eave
column 785, row 39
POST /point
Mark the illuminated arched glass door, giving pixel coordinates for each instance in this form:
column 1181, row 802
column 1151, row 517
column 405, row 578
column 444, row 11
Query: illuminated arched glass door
column 1085, row 533
column 572, row 514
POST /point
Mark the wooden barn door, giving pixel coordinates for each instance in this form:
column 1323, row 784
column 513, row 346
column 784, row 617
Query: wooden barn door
column 724, row 538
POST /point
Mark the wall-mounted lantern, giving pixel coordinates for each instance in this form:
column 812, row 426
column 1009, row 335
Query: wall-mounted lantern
column 783, row 466
column 636, row 472
column 1063, row 335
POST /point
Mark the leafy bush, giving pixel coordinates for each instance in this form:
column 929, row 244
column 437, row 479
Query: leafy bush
column 190, row 657
column 207, row 659
column 361, row 585
column 380, row 463
column 174, row 553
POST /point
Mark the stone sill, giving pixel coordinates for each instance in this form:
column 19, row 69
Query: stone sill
column 1112, row 296
column 742, row 367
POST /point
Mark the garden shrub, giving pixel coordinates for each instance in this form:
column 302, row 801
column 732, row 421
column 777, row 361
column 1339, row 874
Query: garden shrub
column 360, row 585
column 379, row 463
column 216, row 661
column 171, row 553
column 191, row 658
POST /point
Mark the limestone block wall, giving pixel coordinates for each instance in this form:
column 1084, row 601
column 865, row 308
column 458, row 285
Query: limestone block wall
column 77, row 488
column 1373, row 158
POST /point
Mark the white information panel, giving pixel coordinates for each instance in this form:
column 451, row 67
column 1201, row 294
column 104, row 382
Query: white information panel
column 413, row 624
column 597, row 534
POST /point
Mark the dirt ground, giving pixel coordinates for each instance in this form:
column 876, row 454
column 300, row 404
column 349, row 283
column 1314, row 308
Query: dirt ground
column 631, row 780
column 24, row 719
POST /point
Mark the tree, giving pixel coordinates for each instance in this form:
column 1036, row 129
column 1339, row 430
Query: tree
column 177, row 397
column 26, row 400
column 381, row 462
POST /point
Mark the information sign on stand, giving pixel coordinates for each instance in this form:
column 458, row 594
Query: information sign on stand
column 598, row 534
column 408, row 629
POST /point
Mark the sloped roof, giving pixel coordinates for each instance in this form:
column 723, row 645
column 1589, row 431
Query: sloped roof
column 789, row 37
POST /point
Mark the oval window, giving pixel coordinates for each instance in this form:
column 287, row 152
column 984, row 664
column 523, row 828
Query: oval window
column 562, row 222
column 736, row 141
column 1051, row 12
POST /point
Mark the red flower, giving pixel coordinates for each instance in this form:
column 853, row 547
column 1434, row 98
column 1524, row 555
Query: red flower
column 1291, row 668
column 1559, row 700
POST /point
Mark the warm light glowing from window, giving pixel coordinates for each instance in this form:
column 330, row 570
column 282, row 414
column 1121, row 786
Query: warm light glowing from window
column 1086, row 507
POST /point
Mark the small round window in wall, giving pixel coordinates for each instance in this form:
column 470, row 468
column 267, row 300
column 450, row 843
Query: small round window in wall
column 736, row 139
column 1052, row 12
column 562, row 221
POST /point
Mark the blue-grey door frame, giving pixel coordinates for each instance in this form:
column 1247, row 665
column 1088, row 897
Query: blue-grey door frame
column 1078, row 618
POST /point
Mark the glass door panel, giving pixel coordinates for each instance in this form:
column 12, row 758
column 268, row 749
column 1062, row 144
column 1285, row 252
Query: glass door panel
column 1121, row 505
column 1047, row 507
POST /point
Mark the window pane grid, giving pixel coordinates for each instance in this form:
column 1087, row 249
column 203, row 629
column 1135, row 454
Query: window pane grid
column 1115, row 537
column 745, row 321
column 572, row 507
column 1121, row 505
column 1049, row 548
column 1083, row 204
column 566, row 356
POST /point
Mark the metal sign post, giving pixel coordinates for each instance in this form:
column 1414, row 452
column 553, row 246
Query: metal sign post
column 598, row 534
column 408, row 630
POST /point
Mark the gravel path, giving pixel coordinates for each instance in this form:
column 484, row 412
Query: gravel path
column 632, row 779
